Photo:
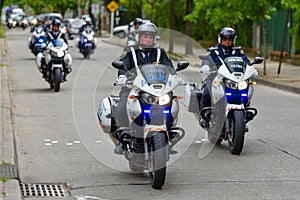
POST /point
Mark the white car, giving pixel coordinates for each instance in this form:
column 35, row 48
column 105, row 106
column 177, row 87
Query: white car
column 122, row 31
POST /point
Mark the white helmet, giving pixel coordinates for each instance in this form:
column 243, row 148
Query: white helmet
column 147, row 28
column 88, row 20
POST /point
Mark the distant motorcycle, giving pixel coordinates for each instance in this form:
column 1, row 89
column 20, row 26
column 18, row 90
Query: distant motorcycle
column 23, row 23
column 87, row 42
column 37, row 40
column 11, row 23
column 56, row 61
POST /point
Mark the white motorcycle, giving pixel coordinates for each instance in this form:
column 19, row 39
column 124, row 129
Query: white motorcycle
column 87, row 43
column 152, row 110
column 37, row 40
column 57, row 60
column 231, row 93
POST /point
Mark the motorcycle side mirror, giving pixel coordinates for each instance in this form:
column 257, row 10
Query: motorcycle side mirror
column 257, row 60
column 118, row 64
column 181, row 65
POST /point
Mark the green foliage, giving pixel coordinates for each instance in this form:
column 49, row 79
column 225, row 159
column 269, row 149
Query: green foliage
column 1, row 31
column 4, row 179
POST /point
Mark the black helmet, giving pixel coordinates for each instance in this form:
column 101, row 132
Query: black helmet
column 138, row 21
column 55, row 22
column 227, row 32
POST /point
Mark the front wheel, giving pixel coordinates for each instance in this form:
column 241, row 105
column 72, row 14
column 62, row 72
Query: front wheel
column 237, row 132
column 87, row 52
column 57, row 77
column 158, row 160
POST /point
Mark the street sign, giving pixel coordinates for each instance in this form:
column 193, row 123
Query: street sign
column 112, row 6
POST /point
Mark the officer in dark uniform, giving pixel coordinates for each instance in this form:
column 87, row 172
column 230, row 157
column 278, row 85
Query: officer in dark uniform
column 146, row 52
column 225, row 48
column 54, row 34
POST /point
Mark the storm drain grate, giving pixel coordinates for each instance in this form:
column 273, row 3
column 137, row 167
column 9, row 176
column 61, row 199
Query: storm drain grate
column 8, row 171
column 40, row 190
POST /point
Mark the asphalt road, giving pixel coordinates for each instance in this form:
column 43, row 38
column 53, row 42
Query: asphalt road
column 59, row 141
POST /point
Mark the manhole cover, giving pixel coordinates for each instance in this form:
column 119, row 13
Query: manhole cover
column 40, row 190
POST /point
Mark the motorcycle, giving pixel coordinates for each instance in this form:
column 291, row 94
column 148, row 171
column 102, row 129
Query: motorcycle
column 231, row 93
column 11, row 23
column 24, row 23
column 87, row 42
column 56, row 61
column 37, row 40
column 151, row 105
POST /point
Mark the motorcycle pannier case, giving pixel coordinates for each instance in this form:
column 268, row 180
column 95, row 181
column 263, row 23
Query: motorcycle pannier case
column 192, row 97
column 104, row 114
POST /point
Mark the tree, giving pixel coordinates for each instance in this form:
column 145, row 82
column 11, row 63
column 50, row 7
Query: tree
column 261, row 10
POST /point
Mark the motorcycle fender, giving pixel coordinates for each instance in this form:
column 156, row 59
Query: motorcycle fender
column 174, row 111
column 217, row 90
column 133, row 109
column 56, row 66
column 234, row 107
column 38, row 60
column 150, row 129
column 105, row 114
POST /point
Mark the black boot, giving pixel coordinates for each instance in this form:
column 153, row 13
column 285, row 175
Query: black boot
column 203, row 123
column 119, row 149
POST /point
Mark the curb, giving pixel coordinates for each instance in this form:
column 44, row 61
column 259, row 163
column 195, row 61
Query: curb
column 272, row 84
column 11, row 187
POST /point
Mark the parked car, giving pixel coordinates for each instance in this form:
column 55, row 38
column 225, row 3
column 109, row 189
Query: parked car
column 122, row 31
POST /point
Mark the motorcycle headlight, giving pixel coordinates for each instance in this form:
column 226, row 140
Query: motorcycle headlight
column 154, row 100
column 164, row 99
column 230, row 84
column 242, row 85
column 60, row 54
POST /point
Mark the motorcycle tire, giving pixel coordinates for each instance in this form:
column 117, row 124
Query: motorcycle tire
column 57, row 77
column 87, row 52
column 158, row 160
column 237, row 132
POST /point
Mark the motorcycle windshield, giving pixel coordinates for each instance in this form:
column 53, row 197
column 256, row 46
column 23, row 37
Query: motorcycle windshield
column 235, row 64
column 157, row 74
column 88, row 30
column 58, row 42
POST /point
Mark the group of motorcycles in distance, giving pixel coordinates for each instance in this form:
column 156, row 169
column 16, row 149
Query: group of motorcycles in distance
column 52, row 57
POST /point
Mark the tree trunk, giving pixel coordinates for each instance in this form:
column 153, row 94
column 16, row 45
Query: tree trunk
column 189, row 26
column 172, row 26
column 265, row 46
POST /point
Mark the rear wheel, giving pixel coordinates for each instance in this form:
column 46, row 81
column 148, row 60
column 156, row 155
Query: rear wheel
column 237, row 132
column 57, row 77
column 158, row 160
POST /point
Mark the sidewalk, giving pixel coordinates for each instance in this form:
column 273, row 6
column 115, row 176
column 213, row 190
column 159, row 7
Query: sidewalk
column 9, row 185
column 288, row 80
